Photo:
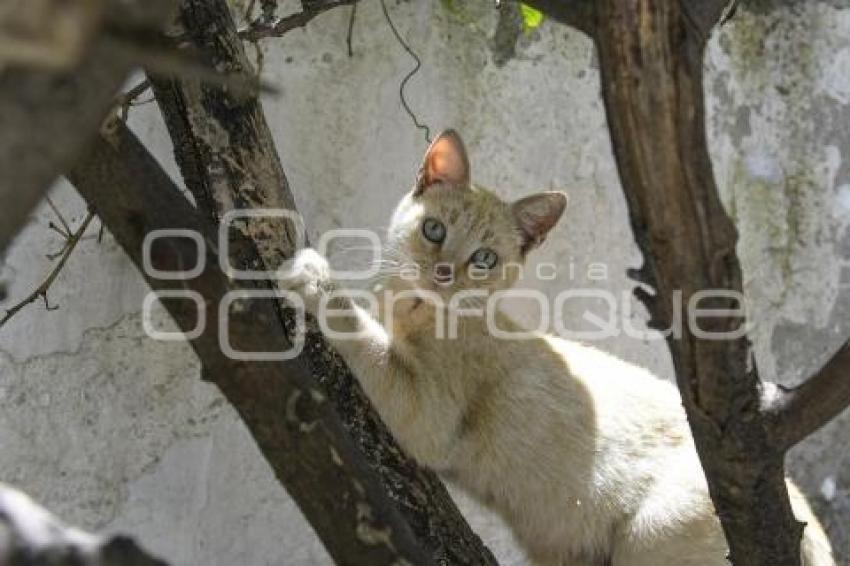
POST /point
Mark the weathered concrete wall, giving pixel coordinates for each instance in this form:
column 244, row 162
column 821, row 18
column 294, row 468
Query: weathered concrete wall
column 115, row 431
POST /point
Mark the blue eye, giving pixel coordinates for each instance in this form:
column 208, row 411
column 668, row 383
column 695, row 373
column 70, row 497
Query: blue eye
column 484, row 258
column 434, row 230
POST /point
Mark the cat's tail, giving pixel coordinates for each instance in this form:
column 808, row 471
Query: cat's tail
column 815, row 548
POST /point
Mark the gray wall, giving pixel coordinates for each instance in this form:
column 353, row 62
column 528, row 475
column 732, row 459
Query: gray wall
column 115, row 431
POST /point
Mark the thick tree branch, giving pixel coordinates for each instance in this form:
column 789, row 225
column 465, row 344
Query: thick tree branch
column 651, row 56
column 297, row 430
column 45, row 118
column 32, row 536
column 800, row 411
column 245, row 172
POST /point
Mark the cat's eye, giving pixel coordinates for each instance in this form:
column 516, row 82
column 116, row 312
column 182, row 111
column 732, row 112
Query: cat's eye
column 484, row 258
column 434, row 230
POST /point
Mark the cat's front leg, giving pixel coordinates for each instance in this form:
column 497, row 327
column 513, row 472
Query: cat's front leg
column 310, row 278
column 385, row 375
column 367, row 348
column 360, row 339
column 347, row 326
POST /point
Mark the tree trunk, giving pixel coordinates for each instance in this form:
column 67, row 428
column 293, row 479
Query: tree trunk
column 651, row 57
column 651, row 60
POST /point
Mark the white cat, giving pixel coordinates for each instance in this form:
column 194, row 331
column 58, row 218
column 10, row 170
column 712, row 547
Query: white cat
column 588, row 458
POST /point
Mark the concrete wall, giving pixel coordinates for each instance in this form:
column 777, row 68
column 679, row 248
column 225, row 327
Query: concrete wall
column 115, row 431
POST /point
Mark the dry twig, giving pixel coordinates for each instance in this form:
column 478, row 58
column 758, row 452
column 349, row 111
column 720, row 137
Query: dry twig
column 262, row 28
column 125, row 100
column 71, row 241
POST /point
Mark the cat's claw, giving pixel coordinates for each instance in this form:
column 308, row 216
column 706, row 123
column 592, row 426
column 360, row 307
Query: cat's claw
column 310, row 277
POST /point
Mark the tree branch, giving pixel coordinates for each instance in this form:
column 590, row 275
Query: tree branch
column 39, row 136
column 651, row 58
column 31, row 536
column 296, row 429
column 245, row 172
column 71, row 241
column 800, row 411
column 261, row 29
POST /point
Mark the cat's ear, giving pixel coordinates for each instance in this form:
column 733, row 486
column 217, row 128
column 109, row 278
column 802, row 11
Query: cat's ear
column 445, row 162
column 536, row 215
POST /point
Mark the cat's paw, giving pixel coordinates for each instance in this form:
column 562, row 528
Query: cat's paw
column 309, row 277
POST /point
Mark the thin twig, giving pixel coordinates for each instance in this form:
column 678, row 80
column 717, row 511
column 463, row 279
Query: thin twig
column 729, row 12
column 350, row 36
column 248, row 15
column 41, row 290
column 127, row 99
column 64, row 230
column 259, row 58
column 269, row 8
column 67, row 229
column 260, row 28
column 58, row 229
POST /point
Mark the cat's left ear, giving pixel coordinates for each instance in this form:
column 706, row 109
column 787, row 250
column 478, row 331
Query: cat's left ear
column 537, row 214
column 445, row 162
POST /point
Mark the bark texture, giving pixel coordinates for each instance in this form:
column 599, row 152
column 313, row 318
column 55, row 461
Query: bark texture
column 651, row 63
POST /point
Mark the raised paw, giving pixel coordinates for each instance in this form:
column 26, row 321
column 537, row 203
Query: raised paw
column 309, row 277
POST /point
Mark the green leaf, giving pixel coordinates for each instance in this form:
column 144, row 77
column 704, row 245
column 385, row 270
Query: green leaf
column 531, row 18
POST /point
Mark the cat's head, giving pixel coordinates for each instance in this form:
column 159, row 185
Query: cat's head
column 460, row 236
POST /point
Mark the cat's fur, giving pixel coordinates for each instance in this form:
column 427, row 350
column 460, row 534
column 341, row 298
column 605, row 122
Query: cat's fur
column 588, row 458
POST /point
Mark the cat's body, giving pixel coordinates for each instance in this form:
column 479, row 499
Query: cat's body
column 588, row 458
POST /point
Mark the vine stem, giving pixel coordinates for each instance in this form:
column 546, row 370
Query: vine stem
column 419, row 125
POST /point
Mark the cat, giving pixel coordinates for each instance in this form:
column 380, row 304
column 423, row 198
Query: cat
column 589, row 459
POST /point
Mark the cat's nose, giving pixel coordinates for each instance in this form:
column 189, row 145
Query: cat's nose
column 443, row 273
